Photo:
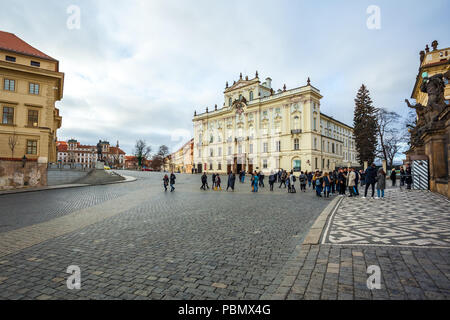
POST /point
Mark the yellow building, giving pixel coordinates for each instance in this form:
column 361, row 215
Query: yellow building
column 30, row 84
column 432, row 62
column 260, row 129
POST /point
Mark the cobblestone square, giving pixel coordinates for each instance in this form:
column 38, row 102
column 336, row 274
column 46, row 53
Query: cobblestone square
column 134, row 241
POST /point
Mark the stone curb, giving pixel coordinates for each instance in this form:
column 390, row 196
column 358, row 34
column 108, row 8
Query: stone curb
column 68, row 186
column 318, row 227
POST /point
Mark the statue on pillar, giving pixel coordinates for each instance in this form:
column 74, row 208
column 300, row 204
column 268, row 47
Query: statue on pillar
column 99, row 151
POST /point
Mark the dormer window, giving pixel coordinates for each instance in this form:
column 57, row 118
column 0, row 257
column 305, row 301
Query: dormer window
column 230, row 102
column 35, row 64
column 251, row 95
column 10, row 59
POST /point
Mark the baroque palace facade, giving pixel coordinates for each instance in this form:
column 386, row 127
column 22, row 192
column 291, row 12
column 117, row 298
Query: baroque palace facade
column 260, row 129
column 30, row 84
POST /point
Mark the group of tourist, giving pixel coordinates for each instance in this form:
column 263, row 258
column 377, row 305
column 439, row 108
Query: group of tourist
column 323, row 183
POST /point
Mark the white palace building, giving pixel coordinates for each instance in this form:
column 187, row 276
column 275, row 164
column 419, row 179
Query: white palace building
column 260, row 129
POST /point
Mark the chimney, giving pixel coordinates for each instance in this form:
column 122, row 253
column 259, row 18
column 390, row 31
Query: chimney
column 269, row 83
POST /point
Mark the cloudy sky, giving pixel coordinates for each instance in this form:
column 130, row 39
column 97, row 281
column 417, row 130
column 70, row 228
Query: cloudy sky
column 139, row 69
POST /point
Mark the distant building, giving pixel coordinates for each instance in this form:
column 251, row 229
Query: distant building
column 72, row 152
column 30, row 84
column 181, row 160
column 259, row 128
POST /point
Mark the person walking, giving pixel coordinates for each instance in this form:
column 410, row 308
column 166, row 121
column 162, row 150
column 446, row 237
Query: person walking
column 204, row 181
column 352, row 183
column 303, row 180
column 393, row 177
column 261, row 179
column 381, row 183
column 402, row 176
column 326, row 185
column 408, row 177
column 166, row 182
column 293, row 181
column 309, row 175
column 283, row 179
column 272, row 179
column 213, row 178
column 218, row 182
column 342, row 178
column 371, row 174
column 243, row 176
column 357, row 178
column 231, row 181
column 255, row 182
column 288, row 182
column 318, row 181
column 362, row 177
column 172, row 182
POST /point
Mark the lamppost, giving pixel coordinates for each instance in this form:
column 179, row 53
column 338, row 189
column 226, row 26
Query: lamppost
column 24, row 161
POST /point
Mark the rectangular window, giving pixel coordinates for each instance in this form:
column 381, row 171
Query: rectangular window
column 210, row 166
column 296, row 144
column 8, row 115
column 220, row 152
column 9, row 85
column 278, row 146
column 265, row 166
column 33, row 118
column 35, row 64
column 32, row 147
column 10, row 59
column 251, row 148
column 265, row 147
column 34, row 88
column 219, row 166
column 211, row 152
column 316, row 163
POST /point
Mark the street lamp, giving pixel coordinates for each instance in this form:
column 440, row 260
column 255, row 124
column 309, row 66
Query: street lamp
column 24, row 161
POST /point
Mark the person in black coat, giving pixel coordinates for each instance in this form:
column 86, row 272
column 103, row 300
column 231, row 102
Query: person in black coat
column 371, row 175
column 172, row 182
column 204, row 182
column 393, row 177
column 213, row 180
column 231, row 181
column 261, row 179
column 408, row 177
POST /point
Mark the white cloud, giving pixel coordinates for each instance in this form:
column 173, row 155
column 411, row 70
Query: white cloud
column 139, row 69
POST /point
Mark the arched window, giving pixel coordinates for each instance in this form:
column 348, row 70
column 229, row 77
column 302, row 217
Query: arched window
column 251, row 95
column 296, row 144
column 240, row 97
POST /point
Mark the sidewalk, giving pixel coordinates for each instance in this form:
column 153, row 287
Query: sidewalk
column 66, row 186
column 407, row 235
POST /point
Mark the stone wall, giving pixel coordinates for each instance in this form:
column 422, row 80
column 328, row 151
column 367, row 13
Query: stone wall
column 14, row 176
column 57, row 177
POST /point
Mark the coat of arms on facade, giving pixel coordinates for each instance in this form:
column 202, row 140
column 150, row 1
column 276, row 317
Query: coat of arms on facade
column 239, row 105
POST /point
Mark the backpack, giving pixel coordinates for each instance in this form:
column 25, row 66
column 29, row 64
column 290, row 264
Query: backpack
column 318, row 182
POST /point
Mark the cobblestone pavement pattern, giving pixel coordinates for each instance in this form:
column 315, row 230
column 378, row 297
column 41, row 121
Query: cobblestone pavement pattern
column 406, row 235
column 133, row 241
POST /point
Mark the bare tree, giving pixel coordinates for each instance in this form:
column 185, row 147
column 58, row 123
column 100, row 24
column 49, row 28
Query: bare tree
column 157, row 162
column 13, row 141
column 142, row 151
column 389, row 138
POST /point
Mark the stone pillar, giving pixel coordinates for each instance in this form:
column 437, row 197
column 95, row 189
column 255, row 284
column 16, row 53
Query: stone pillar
column 366, row 165
column 435, row 149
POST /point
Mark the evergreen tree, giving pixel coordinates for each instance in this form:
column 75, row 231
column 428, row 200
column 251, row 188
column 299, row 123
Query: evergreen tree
column 365, row 126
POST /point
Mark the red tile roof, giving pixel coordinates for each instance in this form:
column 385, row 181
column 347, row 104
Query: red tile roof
column 62, row 147
column 11, row 42
column 113, row 150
